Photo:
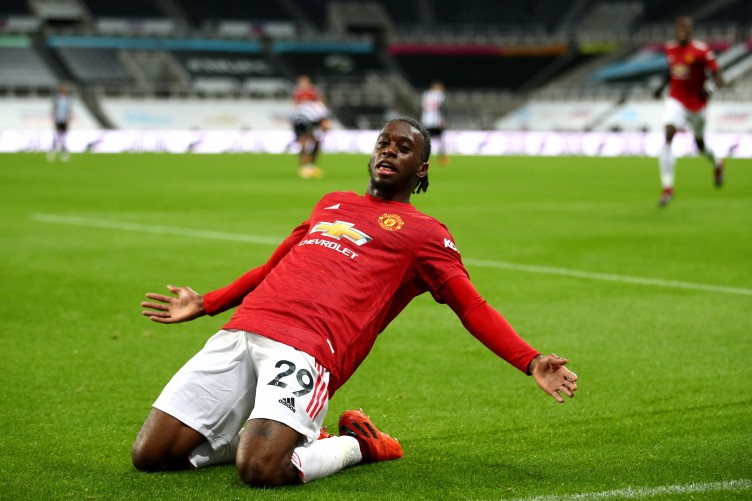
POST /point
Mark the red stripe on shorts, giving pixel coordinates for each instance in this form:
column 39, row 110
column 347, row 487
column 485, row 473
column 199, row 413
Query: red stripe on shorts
column 319, row 394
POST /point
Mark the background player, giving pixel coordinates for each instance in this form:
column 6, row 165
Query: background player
column 62, row 112
column 305, row 90
column 310, row 120
column 689, row 62
column 306, row 320
column 433, row 106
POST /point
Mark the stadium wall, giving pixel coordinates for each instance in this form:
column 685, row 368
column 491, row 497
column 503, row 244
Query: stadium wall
column 645, row 116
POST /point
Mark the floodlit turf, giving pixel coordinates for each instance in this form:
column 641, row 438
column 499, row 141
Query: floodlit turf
column 652, row 306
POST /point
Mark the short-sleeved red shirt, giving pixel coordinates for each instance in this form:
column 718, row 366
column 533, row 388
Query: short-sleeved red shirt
column 305, row 94
column 688, row 67
column 355, row 264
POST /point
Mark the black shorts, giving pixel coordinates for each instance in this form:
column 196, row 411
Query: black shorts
column 61, row 126
column 302, row 127
column 435, row 131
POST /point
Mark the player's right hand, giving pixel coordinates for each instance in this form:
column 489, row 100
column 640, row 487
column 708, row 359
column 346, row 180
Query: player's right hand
column 186, row 305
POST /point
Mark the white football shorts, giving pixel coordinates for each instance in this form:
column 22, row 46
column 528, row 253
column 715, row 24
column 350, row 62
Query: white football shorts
column 676, row 114
column 238, row 376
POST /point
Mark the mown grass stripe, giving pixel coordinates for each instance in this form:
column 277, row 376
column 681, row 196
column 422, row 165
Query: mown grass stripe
column 255, row 239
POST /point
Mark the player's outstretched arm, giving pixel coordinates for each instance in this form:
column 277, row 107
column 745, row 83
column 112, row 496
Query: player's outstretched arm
column 552, row 377
column 186, row 305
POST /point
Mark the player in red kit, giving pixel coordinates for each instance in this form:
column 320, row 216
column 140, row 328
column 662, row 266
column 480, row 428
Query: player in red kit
column 257, row 393
column 305, row 91
column 689, row 62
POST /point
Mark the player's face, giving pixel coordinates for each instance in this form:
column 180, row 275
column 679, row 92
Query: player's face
column 396, row 161
column 683, row 30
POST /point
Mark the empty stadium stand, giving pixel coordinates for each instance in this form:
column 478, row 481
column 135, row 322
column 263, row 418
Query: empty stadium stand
column 372, row 59
column 23, row 67
column 129, row 9
column 14, row 7
column 94, row 65
column 200, row 11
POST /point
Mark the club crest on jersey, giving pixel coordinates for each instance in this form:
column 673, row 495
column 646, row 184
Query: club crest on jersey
column 391, row 222
column 341, row 229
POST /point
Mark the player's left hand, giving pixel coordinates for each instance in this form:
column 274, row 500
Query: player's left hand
column 552, row 377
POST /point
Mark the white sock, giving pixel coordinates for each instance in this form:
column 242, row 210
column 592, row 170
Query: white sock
column 666, row 162
column 326, row 457
column 204, row 455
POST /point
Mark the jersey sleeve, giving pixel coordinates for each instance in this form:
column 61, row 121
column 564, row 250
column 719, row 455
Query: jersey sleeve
column 438, row 260
column 232, row 295
column 710, row 61
column 487, row 324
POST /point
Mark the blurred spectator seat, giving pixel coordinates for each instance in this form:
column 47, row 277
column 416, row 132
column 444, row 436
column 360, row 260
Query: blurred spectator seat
column 201, row 11
column 246, row 29
column 216, row 72
column 610, row 17
column 267, row 87
column 473, row 66
column 18, row 24
column 321, row 59
column 237, row 65
column 23, row 67
column 14, row 7
column 133, row 26
column 58, row 10
column 129, row 9
column 94, row 65
column 501, row 13
column 215, row 85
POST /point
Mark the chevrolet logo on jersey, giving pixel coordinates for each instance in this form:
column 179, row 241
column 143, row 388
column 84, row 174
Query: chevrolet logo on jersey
column 340, row 229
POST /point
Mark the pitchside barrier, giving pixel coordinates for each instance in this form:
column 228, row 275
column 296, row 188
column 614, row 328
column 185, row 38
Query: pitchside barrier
column 216, row 125
column 607, row 144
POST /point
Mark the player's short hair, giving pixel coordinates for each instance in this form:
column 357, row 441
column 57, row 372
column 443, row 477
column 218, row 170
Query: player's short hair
column 423, row 132
column 422, row 183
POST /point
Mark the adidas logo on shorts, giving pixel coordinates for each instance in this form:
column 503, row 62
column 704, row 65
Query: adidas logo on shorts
column 288, row 402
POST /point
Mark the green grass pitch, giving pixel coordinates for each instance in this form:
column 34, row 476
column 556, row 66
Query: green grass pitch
column 653, row 307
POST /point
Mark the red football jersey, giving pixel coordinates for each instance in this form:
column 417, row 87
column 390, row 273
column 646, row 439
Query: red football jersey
column 688, row 67
column 351, row 268
column 306, row 94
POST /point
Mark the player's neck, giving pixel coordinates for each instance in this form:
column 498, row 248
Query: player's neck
column 388, row 195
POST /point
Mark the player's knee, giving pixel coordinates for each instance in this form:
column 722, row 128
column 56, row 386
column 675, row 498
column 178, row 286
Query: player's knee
column 142, row 459
column 257, row 472
column 148, row 459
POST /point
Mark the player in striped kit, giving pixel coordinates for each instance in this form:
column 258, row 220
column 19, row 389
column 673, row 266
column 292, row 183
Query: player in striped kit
column 433, row 105
column 62, row 111
column 310, row 120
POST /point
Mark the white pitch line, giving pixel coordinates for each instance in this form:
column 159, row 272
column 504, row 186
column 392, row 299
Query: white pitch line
column 646, row 492
column 609, row 277
column 160, row 230
column 255, row 239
